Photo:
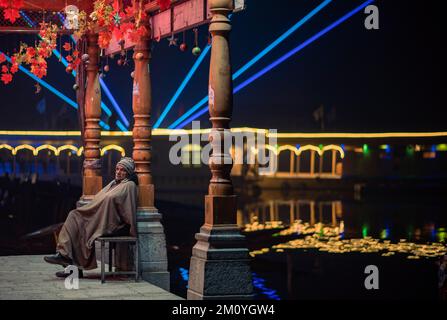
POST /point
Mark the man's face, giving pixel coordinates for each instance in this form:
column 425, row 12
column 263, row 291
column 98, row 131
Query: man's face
column 120, row 173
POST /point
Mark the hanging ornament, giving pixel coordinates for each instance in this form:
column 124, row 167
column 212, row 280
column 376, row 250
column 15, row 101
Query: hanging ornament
column 132, row 74
column 69, row 68
column 121, row 44
column 183, row 46
column 72, row 17
column 106, row 66
column 38, row 88
column 120, row 62
column 75, row 86
column 172, row 40
column 139, row 56
column 85, row 57
column 196, row 50
column 117, row 19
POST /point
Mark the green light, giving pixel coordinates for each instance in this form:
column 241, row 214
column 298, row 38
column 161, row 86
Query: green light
column 384, row 234
column 384, row 146
column 441, row 147
column 410, row 150
column 365, row 149
column 442, row 235
column 320, row 146
column 365, row 231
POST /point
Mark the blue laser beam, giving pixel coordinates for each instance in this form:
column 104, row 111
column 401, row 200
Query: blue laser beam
column 105, row 88
column 182, row 86
column 259, row 56
column 114, row 103
column 280, row 60
column 120, row 125
column 45, row 84
column 102, row 83
column 49, row 87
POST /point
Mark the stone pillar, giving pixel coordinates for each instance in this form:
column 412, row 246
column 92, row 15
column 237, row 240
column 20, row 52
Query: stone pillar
column 152, row 242
column 92, row 179
column 220, row 262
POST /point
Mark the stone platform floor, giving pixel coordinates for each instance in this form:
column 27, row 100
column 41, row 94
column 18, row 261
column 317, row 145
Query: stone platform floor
column 31, row 278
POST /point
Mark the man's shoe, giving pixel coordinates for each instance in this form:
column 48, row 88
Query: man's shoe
column 58, row 259
column 62, row 274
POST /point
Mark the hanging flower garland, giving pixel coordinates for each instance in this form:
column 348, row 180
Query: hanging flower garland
column 34, row 56
column 11, row 9
column 110, row 19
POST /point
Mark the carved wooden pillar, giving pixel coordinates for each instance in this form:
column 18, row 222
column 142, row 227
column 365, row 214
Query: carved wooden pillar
column 141, row 105
column 152, row 242
column 92, row 179
column 219, row 266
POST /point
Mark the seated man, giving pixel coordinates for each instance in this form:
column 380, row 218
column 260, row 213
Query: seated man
column 110, row 212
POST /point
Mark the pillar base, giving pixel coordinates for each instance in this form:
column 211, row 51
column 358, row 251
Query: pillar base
column 220, row 265
column 152, row 246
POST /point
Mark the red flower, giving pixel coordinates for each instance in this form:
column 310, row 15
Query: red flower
column 11, row 14
column 30, row 51
column 2, row 58
column 75, row 53
column 117, row 33
column 40, row 69
column 69, row 58
column 14, row 68
column 104, row 39
column 116, row 5
column 67, row 46
column 6, row 78
column 5, row 69
column 76, row 62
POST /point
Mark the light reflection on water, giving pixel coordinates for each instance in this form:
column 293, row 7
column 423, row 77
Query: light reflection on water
column 290, row 237
column 325, row 219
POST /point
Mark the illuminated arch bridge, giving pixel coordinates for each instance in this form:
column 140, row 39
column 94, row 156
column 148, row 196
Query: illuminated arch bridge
column 296, row 155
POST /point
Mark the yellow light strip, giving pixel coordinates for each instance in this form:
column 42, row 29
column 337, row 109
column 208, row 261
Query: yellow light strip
column 24, row 146
column 192, row 147
column 114, row 147
column 299, row 150
column 65, row 147
column 57, row 150
column 310, row 147
column 336, row 148
column 6, row 146
column 361, row 135
column 166, row 132
column 45, row 146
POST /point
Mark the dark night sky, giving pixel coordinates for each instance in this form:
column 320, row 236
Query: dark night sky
column 375, row 80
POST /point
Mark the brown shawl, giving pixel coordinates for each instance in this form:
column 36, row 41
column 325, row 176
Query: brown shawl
column 110, row 210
